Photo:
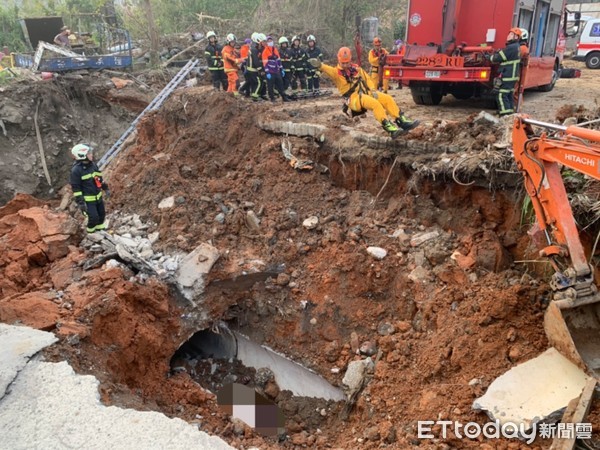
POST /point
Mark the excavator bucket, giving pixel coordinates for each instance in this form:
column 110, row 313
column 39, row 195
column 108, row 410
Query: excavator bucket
column 575, row 331
column 572, row 320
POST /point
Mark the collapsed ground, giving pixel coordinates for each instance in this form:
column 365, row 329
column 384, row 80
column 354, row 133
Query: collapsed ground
column 447, row 315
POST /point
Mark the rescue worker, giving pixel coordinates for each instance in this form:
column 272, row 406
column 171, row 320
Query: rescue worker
column 356, row 87
column 87, row 185
column 274, row 71
column 254, row 66
column 377, row 59
column 214, row 59
column 62, row 38
column 285, row 53
column 312, row 51
column 299, row 65
column 509, row 59
column 231, row 61
column 524, row 49
column 399, row 48
column 244, row 52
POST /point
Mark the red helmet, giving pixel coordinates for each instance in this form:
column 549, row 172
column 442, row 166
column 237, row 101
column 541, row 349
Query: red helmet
column 377, row 41
column 344, row 55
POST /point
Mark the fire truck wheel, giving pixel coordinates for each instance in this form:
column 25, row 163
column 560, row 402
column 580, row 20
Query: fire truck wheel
column 421, row 97
column 555, row 76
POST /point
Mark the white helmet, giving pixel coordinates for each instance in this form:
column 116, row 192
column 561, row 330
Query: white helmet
column 295, row 38
column 283, row 40
column 261, row 37
column 80, row 151
column 524, row 34
column 255, row 38
column 211, row 34
column 311, row 38
column 231, row 38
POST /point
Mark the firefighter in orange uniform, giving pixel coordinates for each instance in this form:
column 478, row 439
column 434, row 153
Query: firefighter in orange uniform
column 377, row 59
column 356, row 87
column 231, row 60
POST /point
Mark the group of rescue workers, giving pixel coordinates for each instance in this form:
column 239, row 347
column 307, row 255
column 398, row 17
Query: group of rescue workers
column 267, row 69
column 270, row 70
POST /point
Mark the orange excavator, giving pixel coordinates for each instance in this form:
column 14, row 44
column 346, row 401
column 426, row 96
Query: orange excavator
column 572, row 319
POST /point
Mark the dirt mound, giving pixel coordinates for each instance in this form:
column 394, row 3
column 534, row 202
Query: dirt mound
column 449, row 318
column 68, row 110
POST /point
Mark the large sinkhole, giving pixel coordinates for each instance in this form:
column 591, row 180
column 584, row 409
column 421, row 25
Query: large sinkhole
column 220, row 356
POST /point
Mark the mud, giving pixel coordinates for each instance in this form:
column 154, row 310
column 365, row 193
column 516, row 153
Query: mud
column 447, row 310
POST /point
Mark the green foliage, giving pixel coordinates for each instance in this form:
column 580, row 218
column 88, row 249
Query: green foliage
column 10, row 30
column 400, row 28
column 527, row 212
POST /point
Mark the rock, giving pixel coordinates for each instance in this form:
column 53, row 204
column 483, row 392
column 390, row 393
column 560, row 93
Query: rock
column 368, row 348
column 180, row 200
column 354, row 344
column 238, row 426
column 311, row 223
column 372, row 434
column 313, row 321
column 404, row 326
column 263, row 376
column 420, row 275
column 35, row 309
column 485, row 118
column 354, row 377
column 300, row 438
column 377, row 252
column 475, row 382
column 127, row 242
column 167, row 203
column 464, row 262
column 220, row 218
column 421, row 238
column 153, row 237
column 283, row 279
column 252, row 221
column 272, row 389
column 193, row 269
column 385, row 329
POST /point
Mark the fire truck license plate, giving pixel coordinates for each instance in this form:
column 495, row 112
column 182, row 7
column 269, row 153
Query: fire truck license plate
column 432, row 74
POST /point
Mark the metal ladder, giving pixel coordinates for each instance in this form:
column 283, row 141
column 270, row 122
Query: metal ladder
column 153, row 106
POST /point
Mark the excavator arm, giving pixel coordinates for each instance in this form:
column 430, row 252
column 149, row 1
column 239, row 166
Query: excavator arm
column 572, row 320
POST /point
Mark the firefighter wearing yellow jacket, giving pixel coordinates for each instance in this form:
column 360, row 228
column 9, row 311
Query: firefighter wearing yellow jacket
column 356, row 87
column 377, row 59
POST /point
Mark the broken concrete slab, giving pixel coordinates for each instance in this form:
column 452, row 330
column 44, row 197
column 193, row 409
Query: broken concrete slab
column 19, row 344
column 49, row 406
column 193, row 269
column 537, row 390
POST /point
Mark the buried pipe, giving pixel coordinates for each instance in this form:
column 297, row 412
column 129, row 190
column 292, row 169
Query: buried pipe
column 289, row 375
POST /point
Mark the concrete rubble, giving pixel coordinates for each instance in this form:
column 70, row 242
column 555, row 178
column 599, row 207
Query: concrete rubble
column 536, row 391
column 47, row 405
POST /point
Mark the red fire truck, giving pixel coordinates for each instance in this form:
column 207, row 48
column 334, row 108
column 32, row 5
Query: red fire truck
column 447, row 41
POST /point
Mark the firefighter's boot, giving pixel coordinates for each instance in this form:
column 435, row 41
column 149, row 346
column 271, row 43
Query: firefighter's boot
column 391, row 128
column 405, row 123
